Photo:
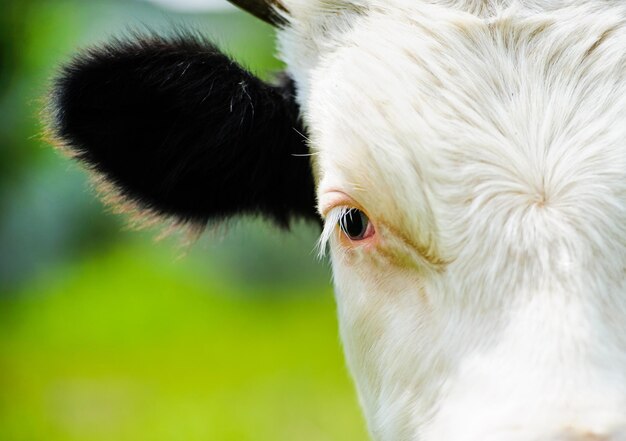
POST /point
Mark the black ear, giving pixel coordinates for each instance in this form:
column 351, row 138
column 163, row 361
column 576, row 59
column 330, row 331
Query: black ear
column 182, row 131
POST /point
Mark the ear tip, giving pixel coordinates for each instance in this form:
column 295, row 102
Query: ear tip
column 166, row 122
column 57, row 125
column 53, row 115
column 85, row 82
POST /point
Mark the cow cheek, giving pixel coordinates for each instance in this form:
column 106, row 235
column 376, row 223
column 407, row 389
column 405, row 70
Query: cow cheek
column 382, row 312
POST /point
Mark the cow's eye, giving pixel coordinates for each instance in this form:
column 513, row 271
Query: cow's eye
column 355, row 224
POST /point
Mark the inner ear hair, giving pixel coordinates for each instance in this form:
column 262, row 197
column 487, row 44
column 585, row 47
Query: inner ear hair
column 174, row 129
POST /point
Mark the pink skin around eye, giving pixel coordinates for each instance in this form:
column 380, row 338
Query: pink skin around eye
column 332, row 199
column 369, row 231
column 365, row 243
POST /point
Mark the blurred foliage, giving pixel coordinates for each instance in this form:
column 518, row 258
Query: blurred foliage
column 107, row 335
column 127, row 346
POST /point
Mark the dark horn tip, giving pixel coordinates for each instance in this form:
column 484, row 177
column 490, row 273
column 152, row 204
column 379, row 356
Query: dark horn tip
column 262, row 9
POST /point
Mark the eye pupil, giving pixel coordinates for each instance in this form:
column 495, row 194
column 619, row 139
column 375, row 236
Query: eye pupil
column 353, row 223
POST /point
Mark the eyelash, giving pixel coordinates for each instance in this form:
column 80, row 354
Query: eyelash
column 333, row 219
column 355, row 224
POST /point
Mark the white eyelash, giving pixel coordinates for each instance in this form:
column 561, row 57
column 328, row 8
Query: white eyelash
column 330, row 223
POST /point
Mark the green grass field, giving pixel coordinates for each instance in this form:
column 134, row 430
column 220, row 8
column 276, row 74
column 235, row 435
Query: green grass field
column 128, row 346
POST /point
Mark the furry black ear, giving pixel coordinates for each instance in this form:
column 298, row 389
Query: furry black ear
column 178, row 129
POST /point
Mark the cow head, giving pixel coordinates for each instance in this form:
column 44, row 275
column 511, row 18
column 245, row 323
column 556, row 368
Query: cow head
column 469, row 161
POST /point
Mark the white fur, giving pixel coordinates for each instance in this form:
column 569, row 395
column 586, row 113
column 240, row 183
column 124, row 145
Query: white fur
column 486, row 140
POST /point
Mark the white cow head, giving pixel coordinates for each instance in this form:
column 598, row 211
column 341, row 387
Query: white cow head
column 469, row 160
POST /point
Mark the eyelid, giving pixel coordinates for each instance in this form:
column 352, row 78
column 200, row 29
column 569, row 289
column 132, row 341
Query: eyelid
column 332, row 199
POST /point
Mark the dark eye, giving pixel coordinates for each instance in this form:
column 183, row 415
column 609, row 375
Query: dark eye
column 354, row 223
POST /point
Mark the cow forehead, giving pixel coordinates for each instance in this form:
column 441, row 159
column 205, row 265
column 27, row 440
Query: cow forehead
column 423, row 113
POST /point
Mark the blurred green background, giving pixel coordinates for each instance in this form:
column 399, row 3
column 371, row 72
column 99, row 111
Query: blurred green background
column 106, row 334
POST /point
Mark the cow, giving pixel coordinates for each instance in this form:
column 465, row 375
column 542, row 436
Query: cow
column 467, row 159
